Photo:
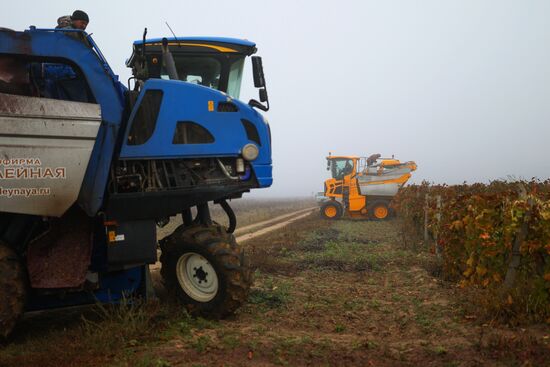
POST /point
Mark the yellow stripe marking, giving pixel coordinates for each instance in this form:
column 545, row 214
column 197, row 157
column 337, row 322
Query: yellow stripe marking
column 219, row 48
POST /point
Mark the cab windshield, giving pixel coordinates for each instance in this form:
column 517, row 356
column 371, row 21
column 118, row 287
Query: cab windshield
column 341, row 167
column 212, row 72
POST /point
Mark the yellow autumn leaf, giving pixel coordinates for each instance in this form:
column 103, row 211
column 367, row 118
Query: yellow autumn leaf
column 547, row 277
column 457, row 224
column 486, row 282
column 497, row 278
column 470, row 261
column 480, row 270
column 510, row 300
column 468, row 272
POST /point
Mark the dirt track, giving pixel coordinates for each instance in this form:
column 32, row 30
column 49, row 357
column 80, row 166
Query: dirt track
column 268, row 226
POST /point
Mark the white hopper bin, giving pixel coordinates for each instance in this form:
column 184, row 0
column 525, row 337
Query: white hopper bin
column 45, row 146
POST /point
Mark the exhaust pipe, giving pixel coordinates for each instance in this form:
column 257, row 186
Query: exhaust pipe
column 168, row 61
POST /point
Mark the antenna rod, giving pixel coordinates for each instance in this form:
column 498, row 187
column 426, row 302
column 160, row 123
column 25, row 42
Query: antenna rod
column 170, row 28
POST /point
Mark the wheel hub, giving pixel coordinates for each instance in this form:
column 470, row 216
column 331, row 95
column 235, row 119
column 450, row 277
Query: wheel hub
column 197, row 277
column 200, row 274
column 330, row 211
column 381, row 212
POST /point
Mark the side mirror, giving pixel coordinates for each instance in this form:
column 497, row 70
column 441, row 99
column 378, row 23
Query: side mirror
column 263, row 95
column 257, row 104
column 259, row 82
column 258, row 72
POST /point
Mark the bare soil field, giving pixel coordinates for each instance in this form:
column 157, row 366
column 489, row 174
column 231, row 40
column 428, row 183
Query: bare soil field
column 344, row 293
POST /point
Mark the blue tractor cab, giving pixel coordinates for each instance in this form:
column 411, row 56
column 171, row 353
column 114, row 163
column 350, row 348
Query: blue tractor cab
column 91, row 168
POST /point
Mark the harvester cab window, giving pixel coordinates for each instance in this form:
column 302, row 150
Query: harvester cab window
column 235, row 77
column 145, row 119
column 200, row 70
column 341, row 168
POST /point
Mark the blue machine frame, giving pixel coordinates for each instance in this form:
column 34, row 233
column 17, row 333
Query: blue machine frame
column 109, row 94
column 182, row 101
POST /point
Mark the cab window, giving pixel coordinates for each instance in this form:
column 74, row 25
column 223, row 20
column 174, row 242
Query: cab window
column 341, row 168
column 205, row 71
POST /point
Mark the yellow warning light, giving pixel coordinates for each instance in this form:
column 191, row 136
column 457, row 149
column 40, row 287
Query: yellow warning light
column 112, row 236
column 210, row 106
column 155, row 60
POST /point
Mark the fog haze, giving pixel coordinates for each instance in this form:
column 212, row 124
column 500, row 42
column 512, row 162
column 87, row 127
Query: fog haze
column 460, row 87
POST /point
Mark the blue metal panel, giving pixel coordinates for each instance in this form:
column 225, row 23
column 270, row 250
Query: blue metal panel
column 262, row 166
column 104, row 85
column 125, row 283
column 263, row 174
column 113, row 288
column 184, row 101
column 235, row 41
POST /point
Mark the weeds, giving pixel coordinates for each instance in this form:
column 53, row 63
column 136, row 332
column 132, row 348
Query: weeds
column 343, row 256
column 230, row 341
column 119, row 324
column 339, row 328
column 270, row 295
column 201, row 343
column 315, row 241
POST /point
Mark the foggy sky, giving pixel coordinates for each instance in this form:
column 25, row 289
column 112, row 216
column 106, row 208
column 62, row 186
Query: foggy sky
column 460, row 87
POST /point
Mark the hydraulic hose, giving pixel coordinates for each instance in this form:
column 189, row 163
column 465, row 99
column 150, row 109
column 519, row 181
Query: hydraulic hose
column 230, row 214
column 224, row 170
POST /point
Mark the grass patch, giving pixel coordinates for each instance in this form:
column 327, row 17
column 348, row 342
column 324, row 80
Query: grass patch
column 270, row 295
column 315, row 241
column 109, row 335
column 230, row 341
column 345, row 246
column 353, row 304
column 343, row 256
column 105, row 333
column 349, row 231
column 339, row 328
column 201, row 343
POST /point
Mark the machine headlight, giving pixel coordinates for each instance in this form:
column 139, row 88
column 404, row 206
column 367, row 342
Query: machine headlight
column 250, row 152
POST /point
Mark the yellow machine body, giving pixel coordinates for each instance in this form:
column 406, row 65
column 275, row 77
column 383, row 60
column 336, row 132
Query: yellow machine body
column 362, row 187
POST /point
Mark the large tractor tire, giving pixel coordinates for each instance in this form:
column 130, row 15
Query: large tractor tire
column 332, row 210
column 13, row 290
column 379, row 210
column 203, row 267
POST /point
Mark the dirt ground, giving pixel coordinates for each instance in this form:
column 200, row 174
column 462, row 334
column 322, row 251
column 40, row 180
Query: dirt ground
column 343, row 293
column 346, row 293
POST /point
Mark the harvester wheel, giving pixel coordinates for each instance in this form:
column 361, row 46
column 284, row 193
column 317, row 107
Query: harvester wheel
column 379, row 210
column 206, row 270
column 331, row 210
column 13, row 289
